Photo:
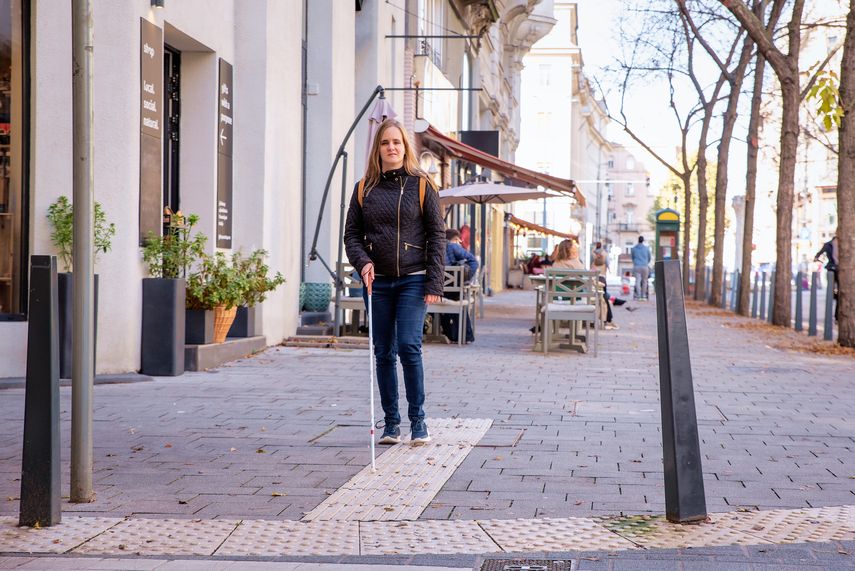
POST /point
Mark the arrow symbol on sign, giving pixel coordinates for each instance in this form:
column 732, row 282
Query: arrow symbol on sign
column 223, row 137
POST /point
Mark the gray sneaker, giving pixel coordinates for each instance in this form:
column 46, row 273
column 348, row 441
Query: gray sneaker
column 420, row 433
column 391, row 434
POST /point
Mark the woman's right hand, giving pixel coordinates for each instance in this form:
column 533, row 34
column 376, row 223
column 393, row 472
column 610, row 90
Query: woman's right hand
column 368, row 276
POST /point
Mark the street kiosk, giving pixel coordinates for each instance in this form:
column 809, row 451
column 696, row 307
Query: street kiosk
column 667, row 234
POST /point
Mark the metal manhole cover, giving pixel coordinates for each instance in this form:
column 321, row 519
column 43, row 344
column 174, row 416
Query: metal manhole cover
column 525, row 565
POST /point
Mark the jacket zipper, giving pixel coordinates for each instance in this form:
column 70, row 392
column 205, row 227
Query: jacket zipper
column 408, row 245
column 398, row 249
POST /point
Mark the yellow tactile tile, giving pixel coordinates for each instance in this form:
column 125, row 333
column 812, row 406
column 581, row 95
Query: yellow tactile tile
column 656, row 532
column 407, row 477
column 161, row 537
column 553, row 534
column 796, row 526
column 412, row 537
column 71, row 532
column 268, row 537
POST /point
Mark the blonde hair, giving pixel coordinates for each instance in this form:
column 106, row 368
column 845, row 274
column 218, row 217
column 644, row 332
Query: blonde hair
column 567, row 250
column 374, row 168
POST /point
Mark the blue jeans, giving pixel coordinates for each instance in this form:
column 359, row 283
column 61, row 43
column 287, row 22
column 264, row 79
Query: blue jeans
column 398, row 306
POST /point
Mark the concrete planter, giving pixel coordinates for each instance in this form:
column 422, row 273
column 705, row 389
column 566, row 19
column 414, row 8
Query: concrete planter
column 66, row 310
column 163, row 323
column 199, row 329
column 244, row 324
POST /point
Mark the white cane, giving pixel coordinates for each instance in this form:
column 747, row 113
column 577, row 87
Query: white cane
column 371, row 387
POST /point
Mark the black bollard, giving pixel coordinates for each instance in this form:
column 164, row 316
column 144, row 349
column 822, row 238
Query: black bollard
column 734, row 289
column 828, row 327
column 814, row 277
column 799, row 319
column 754, row 295
column 40, row 483
column 763, row 295
column 770, row 308
column 724, row 290
column 708, row 286
column 684, row 484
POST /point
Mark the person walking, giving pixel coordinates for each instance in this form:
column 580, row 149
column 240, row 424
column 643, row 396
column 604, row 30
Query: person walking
column 641, row 268
column 457, row 255
column 600, row 259
column 395, row 237
column 829, row 250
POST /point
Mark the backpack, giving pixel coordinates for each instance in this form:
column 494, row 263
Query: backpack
column 360, row 192
column 599, row 258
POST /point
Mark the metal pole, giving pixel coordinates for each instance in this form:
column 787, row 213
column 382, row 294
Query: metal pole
column 339, row 280
column 771, row 305
column 814, row 276
column 754, row 296
column 828, row 327
column 40, row 463
column 685, row 499
column 763, row 295
column 734, row 289
column 83, row 354
column 799, row 312
column 724, row 290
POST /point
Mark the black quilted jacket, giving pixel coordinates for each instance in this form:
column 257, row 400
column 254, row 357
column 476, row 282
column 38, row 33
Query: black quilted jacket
column 391, row 230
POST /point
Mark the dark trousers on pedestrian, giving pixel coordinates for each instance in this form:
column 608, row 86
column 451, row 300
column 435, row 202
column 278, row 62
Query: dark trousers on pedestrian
column 398, row 307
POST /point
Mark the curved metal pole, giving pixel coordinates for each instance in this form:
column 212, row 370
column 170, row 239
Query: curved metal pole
column 313, row 252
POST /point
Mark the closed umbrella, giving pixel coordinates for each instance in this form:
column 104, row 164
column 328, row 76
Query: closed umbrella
column 382, row 110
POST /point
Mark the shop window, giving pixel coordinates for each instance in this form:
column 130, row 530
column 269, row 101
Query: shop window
column 14, row 196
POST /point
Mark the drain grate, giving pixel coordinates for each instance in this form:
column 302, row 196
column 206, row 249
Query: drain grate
column 525, row 565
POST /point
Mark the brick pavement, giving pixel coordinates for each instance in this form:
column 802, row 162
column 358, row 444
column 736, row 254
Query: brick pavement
column 572, row 435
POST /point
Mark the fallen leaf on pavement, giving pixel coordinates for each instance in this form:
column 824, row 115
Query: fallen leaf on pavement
column 182, row 502
column 167, row 445
column 578, row 502
column 261, row 451
column 842, row 551
column 277, row 494
column 12, row 498
column 232, row 449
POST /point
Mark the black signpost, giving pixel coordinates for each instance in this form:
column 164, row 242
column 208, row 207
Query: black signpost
column 224, row 158
column 151, row 128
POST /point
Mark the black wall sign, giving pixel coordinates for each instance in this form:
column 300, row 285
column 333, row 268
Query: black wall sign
column 224, row 158
column 151, row 124
column 487, row 141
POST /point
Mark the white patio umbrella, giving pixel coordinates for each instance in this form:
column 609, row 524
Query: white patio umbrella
column 382, row 110
column 491, row 193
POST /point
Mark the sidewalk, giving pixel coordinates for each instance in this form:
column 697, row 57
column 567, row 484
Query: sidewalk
column 573, row 437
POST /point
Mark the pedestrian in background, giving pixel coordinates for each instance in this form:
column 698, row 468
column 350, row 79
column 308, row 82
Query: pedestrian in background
column 641, row 268
column 600, row 259
column 829, row 250
column 398, row 245
column 457, row 255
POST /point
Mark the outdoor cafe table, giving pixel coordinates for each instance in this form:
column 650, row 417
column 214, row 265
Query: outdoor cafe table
column 539, row 282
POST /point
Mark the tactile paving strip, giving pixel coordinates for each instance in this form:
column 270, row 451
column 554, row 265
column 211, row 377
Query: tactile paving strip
column 411, row 537
column 553, row 534
column 161, row 537
column 407, row 477
column 654, row 532
column 266, row 537
column 796, row 526
column 71, row 532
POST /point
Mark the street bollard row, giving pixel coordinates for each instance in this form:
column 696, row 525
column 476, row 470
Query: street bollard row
column 763, row 292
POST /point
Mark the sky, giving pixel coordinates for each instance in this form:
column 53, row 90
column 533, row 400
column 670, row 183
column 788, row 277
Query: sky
column 647, row 107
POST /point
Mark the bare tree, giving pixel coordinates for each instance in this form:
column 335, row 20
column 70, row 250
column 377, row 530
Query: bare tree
column 692, row 32
column 786, row 67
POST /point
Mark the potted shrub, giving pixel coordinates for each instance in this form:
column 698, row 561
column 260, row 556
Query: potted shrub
column 217, row 285
column 60, row 216
column 169, row 258
column 258, row 284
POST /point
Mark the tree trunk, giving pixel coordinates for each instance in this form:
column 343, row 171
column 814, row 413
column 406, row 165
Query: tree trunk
column 721, row 181
column 703, row 205
column 786, row 183
column 845, row 192
column 687, row 228
column 743, row 306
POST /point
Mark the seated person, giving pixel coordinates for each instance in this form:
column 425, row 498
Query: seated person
column 567, row 256
column 457, row 255
column 535, row 265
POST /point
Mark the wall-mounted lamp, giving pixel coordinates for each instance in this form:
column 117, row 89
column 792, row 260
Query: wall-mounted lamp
column 157, row 3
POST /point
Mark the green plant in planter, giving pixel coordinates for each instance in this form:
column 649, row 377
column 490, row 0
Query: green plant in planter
column 255, row 272
column 216, row 282
column 61, row 218
column 173, row 254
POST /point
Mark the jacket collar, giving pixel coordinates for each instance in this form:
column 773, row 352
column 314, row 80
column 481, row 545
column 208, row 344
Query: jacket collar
column 394, row 173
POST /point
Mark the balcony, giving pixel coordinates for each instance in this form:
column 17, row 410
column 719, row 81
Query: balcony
column 627, row 227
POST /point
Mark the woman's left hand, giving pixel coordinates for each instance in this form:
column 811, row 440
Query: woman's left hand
column 432, row 298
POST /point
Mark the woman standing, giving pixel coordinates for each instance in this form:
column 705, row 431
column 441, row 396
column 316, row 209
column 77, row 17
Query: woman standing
column 395, row 238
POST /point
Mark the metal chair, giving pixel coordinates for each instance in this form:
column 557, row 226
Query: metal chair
column 453, row 283
column 569, row 296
